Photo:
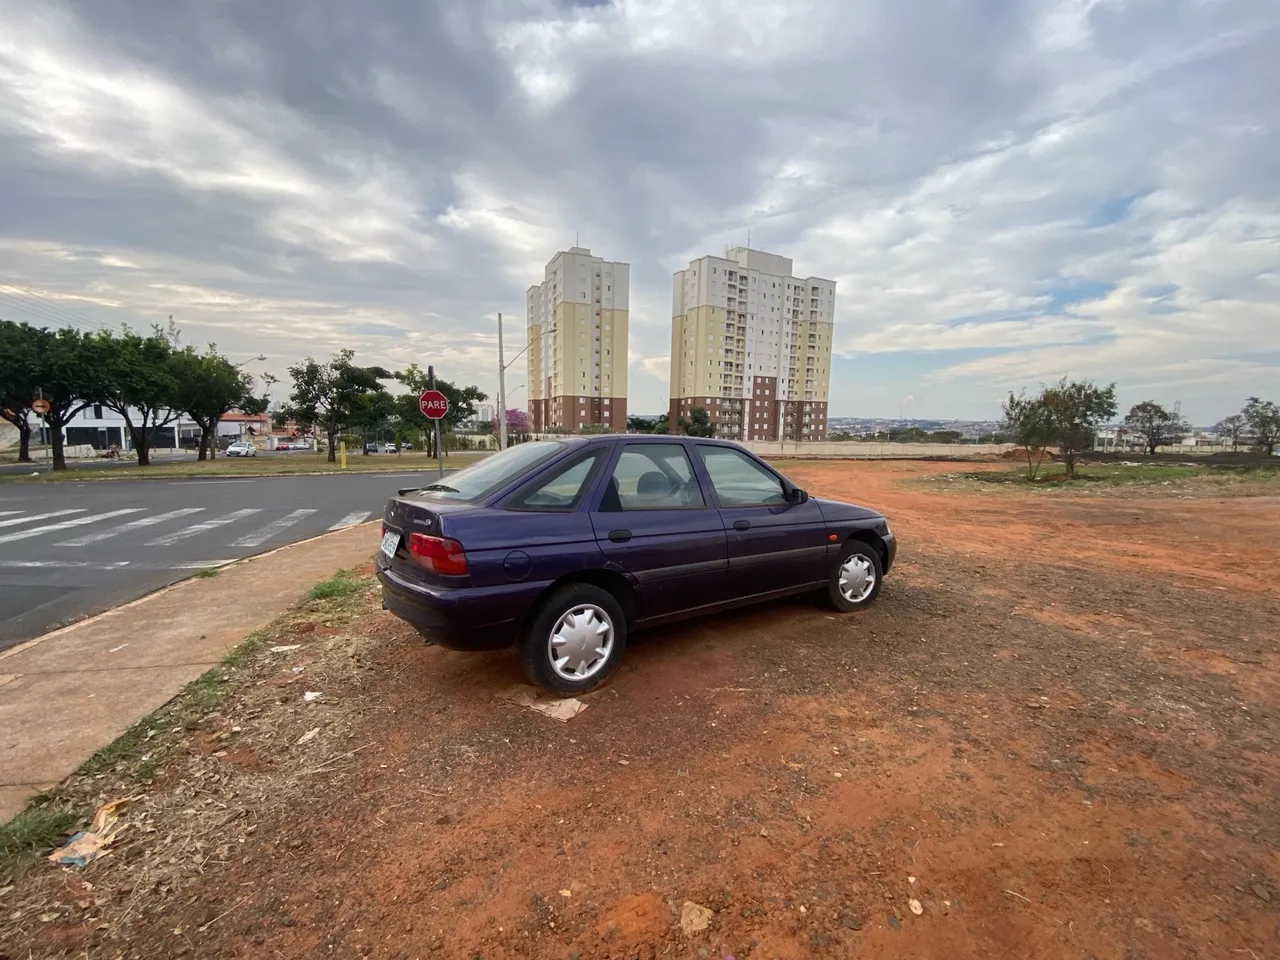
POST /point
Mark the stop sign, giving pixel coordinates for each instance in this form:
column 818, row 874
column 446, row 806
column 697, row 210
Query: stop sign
column 433, row 404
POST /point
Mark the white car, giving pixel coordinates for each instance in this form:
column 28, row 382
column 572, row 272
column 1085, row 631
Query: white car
column 388, row 447
column 242, row 448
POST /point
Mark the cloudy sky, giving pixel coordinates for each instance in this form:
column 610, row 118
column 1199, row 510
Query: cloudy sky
column 1004, row 190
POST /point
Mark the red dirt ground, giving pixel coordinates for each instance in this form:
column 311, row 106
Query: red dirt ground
column 1056, row 732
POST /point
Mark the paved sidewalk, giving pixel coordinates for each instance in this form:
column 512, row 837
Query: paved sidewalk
column 72, row 691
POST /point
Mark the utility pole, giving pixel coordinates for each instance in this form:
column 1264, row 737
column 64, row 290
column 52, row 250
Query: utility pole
column 502, row 391
column 431, row 381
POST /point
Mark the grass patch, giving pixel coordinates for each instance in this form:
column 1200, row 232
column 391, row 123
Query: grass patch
column 208, row 573
column 1119, row 479
column 339, row 585
column 35, row 828
column 273, row 466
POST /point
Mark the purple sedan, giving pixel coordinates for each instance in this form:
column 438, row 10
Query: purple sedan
column 563, row 547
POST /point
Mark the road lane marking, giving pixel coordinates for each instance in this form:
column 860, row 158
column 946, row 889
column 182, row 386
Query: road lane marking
column 8, row 513
column 64, row 564
column 66, row 524
column 350, row 520
column 263, row 534
column 39, row 516
column 138, row 524
column 172, row 538
column 196, row 483
column 108, row 565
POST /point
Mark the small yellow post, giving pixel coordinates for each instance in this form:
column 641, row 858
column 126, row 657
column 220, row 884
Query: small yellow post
column 342, row 451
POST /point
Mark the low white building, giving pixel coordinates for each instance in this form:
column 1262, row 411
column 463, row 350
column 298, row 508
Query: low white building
column 100, row 427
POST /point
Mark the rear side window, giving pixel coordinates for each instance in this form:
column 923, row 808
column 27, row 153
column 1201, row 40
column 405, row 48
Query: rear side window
column 652, row 476
column 738, row 480
column 561, row 490
column 492, row 472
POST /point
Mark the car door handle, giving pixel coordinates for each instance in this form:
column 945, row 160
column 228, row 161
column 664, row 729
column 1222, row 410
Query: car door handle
column 619, row 536
column 742, row 524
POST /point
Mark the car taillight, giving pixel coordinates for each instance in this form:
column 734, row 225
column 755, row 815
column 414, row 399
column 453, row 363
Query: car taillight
column 439, row 554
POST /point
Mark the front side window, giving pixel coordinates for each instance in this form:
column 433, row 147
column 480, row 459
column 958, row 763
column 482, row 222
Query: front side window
column 652, row 476
column 740, row 481
column 562, row 490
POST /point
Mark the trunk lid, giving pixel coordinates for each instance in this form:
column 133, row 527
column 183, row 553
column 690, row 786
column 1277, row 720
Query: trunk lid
column 408, row 514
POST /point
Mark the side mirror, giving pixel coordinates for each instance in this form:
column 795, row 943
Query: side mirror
column 796, row 496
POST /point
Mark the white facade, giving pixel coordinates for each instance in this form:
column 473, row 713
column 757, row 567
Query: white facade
column 486, row 412
column 744, row 329
column 100, row 427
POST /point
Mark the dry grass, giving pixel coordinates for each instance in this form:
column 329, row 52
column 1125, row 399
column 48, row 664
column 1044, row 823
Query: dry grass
column 226, row 752
column 1138, row 480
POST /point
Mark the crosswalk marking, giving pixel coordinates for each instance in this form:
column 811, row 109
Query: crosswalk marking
column 350, row 520
column 263, row 534
column 65, row 524
column 138, row 524
column 198, row 528
column 38, row 516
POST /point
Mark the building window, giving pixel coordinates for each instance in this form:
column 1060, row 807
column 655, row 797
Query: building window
column 97, row 411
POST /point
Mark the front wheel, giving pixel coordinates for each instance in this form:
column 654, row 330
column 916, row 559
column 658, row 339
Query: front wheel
column 575, row 641
column 855, row 579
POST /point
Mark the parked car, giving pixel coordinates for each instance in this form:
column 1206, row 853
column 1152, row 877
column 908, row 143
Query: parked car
column 371, row 447
column 565, row 546
column 242, row 448
column 388, row 447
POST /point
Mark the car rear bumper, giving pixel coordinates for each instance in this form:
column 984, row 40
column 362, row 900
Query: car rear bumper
column 890, row 550
column 474, row 618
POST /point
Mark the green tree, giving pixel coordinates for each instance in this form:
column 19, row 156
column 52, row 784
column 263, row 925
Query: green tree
column 640, row 424
column 662, row 424
column 1231, row 428
column 332, row 396
column 209, row 386
column 1155, row 426
column 1262, row 418
column 1026, row 420
column 18, row 380
column 698, row 423
column 485, row 426
column 462, row 403
column 71, row 372
column 139, row 382
column 1075, row 410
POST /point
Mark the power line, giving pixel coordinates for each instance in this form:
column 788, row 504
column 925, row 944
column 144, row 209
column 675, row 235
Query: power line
column 38, row 312
column 66, row 314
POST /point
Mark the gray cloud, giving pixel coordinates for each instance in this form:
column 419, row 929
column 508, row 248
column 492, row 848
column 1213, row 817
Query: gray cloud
column 1004, row 191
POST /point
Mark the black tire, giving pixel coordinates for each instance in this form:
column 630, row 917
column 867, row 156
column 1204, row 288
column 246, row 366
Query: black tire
column 535, row 645
column 866, row 553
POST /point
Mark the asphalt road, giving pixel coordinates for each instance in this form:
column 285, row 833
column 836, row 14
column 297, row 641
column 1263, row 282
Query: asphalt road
column 68, row 550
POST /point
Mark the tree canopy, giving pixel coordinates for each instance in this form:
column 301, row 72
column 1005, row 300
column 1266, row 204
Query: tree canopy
column 1155, row 426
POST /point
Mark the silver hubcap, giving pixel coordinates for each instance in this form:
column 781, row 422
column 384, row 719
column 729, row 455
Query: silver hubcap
column 857, row 578
column 580, row 642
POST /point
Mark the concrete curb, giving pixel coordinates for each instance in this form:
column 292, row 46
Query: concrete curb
column 81, row 624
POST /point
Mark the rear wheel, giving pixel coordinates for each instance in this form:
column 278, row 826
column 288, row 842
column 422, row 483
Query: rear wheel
column 855, row 579
column 575, row 640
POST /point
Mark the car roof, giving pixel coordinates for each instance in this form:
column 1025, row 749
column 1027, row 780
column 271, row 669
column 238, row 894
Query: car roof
column 649, row 438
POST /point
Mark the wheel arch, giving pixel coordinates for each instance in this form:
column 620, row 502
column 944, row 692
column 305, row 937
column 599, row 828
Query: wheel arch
column 871, row 539
column 609, row 580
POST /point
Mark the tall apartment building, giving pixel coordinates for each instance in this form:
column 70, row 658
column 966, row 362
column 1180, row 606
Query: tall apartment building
column 577, row 328
column 752, row 345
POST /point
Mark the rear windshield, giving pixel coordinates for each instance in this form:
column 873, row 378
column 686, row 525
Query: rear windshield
column 493, row 472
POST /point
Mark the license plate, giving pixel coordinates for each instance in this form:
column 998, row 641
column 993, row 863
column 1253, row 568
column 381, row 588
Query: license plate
column 389, row 543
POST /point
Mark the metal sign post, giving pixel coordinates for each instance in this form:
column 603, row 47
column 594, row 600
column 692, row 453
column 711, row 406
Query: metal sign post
column 434, row 406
